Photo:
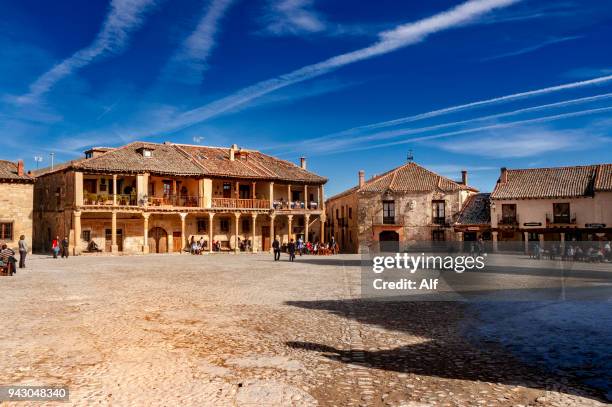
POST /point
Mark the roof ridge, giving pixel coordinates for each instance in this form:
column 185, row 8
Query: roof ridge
column 189, row 157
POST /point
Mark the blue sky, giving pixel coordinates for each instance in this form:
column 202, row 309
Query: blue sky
column 474, row 84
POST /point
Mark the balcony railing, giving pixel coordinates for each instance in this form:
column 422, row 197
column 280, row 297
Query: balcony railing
column 284, row 205
column 508, row 220
column 240, row 203
column 439, row 220
column 564, row 219
column 107, row 199
column 175, row 200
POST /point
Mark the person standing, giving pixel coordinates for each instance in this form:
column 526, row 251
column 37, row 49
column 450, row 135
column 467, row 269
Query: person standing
column 291, row 250
column 65, row 247
column 55, row 246
column 23, row 251
column 276, row 249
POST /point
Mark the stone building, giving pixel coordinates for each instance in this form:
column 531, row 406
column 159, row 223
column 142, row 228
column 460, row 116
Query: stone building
column 152, row 198
column 552, row 204
column 16, row 197
column 408, row 203
column 474, row 220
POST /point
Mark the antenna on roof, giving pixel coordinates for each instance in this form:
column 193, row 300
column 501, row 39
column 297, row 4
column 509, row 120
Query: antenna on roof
column 410, row 156
column 38, row 159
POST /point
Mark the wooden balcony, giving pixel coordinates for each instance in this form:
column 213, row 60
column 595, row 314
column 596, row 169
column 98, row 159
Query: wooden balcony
column 182, row 201
column 107, row 199
column 236, row 203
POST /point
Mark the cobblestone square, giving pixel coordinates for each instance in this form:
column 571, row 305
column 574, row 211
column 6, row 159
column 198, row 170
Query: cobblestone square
column 244, row 330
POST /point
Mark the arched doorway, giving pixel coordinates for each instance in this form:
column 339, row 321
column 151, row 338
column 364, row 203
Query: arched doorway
column 158, row 240
column 389, row 241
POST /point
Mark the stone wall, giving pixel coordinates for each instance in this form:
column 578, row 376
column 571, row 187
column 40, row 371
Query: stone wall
column 16, row 207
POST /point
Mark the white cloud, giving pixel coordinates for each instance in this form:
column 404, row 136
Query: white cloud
column 124, row 17
column 523, row 142
column 189, row 61
column 532, row 48
column 293, row 17
column 389, row 41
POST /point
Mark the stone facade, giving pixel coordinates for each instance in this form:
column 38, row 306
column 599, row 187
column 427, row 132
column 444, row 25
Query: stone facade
column 357, row 218
column 16, row 209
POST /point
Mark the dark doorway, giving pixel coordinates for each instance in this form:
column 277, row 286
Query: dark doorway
column 177, row 242
column 158, row 240
column 265, row 238
column 108, row 240
column 389, row 241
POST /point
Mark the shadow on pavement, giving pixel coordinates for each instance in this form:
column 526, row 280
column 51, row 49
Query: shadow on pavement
column 445, row 352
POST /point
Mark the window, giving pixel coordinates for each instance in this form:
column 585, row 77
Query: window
column 224, row 225
column 337, row 214
column 561, row 213
column 246, row 226
column 151, row 189
column 58, row 197
column 508, row 214
column 244, row 191
column 90, row 186
column 6, row 231
column 438, row 214
column 86, row 235
column 147, row 153
column 167, row 188
column 388, row 212
column 227, row 190
column 295, row 196
column 350, row 213
column 202, row 225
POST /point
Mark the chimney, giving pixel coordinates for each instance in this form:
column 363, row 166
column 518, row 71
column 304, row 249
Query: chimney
column 361, row 178
column 20, row 168
column 464, row 178
column 503, row 178
column 232, row 151
column 303, row 162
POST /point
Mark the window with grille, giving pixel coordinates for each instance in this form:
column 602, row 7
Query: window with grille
column 388, row 212
column 6, row 231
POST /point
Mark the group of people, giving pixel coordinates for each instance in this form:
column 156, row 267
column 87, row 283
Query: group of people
column 60, row 247
column 300, row 247
column 8, row 262
column 596, row 253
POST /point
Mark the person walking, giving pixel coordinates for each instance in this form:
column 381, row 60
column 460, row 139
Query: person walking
column 55, row 246
column 23, row 251
column 276, row 249
column 300, row 245
column 291, row 250
column 65, row 247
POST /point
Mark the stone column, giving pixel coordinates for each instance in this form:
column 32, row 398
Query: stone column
column 114, row 189
column 77, row 233
column 289, row 195
column 253, row 187
column 562, row 244
column 460, row 240
column 183, row 215
column 272, row 217
column 253, row 234
column 271, row 195
column 145, row 233
column 494, row 234
column 306, row 225
column 237, row 218
column 211, row 233
column 289, row 232
column 541, row 239
column 322, row 199
column 306, row 200
column 526, row 238
column 322, row 221
column 114, row 246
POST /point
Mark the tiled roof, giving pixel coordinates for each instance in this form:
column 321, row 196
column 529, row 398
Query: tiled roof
column 185, row 160
column 476, row 210
column 603, row 179
column 410, row 177
column 560, row 182
column 8, row 173
column 247, row 164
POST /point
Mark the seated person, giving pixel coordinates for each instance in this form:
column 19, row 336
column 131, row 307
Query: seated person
column 7, row 256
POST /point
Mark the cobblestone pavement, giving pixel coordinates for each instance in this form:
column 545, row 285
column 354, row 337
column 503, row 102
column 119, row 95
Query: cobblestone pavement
column 245, row 330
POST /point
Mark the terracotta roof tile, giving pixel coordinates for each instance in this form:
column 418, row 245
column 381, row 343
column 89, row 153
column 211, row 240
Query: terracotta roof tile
column 603, row 180
column 8, row 173
column 186, row 160
column 412, row 177
column 560, row 182
column 476, row 210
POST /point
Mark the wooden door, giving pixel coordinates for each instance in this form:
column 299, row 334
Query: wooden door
column 177, row 242
column 265, row 238
column 158, row 240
